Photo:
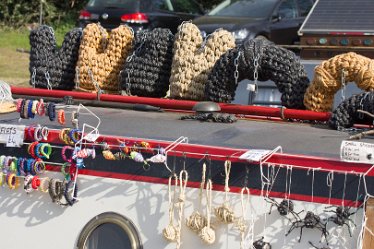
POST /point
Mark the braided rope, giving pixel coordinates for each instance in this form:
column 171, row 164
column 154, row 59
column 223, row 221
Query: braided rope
column 193, row 60
column 197, row 221
column 171, row 232
column 346, row 115
column 275, row 63
column 207, row 234
column 183, row 179
column 224, row 212
column 147, row 70
column 328, row 79
column 101, row 57
column 49, row 66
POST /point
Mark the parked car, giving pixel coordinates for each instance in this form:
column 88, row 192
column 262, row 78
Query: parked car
column 139, row 14
column 277, row 20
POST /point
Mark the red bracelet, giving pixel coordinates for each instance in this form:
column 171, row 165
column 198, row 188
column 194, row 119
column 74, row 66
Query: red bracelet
column 31, row 149
column 35, row 183
column 40, row 108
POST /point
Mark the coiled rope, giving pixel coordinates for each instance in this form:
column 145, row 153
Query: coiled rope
column 346, row 114
column 194, row 58
column 147, row 70
column 331, row 76
column 274, row 63
column 49, row 66
column 101, row 57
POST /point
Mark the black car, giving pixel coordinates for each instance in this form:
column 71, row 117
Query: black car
column 277, row 20
column 139, row 14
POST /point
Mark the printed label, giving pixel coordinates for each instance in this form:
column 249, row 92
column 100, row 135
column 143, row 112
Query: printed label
column 255, row 155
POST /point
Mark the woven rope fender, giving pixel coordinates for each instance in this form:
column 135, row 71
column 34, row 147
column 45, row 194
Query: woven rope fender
column 328, row 77
column 346, row 114
column 275, row 63
column 147, row 70
column 102, row 56
column 193, row 60
column 49, row 66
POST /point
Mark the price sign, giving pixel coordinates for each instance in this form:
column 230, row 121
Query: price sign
column 358, row 152
column 255, row 155
column 12, row 135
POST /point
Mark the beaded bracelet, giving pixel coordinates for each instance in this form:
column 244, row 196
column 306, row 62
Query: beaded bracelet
column 27, row 184
column 29, row 169
column 19, row 105
column 2, row 178
column 6, row 164
column 39, row 166
column 44, row 184
column 25, row 108
column 108, row 155
column 13, row 164
column 31, row 149
column 35, row 183
column 63, row 153
column 61, row 117
column 64, row 172
column 40, row 109
column 34, row 106
column 13, row 181
column 20, row 163
column 45, row 150
column 74, row 135
column 38, row 152
column 38, row 133
column 52, row 111
column 56, row 190
column 30, row 114
column 45, row 133
column 2, row 159
column 71, row 198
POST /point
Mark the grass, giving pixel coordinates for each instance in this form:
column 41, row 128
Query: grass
column 14, row 65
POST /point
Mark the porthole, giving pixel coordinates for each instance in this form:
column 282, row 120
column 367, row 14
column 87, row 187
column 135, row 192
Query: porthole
column 109, row 230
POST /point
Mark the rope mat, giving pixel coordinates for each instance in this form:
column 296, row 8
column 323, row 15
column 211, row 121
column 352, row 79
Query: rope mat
column 193, row 60
column 147, row 70
column 49, row 66
column 349, row 67
column 102, row 56
column 274, row 63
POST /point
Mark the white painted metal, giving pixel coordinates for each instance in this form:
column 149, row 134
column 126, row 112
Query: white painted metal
column 33, row 221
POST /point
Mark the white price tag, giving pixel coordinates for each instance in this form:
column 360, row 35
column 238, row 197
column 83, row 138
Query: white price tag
column 358, row 152
column 12, row 135
column 255, row 155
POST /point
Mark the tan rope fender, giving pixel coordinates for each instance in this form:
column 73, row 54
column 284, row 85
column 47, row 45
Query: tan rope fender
column 193, row 61
column 102, row 56
column 328, row 79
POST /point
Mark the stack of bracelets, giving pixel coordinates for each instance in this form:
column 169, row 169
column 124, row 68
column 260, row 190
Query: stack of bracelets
column 70, row 136
column 21, row 166
column 39, row 133
column 40, row 150
column 29, row 108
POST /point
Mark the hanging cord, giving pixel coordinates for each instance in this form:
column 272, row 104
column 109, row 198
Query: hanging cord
column 225, row 213
column 183, row 179
column 330, row 180
column 357, row 196
column 313, row 174
column 197, row 221
column 207, row 234
column 170, row 232
column 345, row 185
column 241, row 223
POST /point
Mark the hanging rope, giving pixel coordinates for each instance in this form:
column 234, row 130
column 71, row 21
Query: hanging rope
column 183, row 179
column 197, row 221
column 207, row 234
column 225, row 213
column 331, row 75
column 171, row 232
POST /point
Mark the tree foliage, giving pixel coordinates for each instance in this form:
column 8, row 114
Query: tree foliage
column 16, row 13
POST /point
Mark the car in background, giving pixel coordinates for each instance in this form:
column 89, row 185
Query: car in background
column 139, row 14
column 277, row 20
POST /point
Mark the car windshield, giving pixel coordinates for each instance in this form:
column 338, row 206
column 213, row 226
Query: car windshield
column 246, row 8
column 112, row 3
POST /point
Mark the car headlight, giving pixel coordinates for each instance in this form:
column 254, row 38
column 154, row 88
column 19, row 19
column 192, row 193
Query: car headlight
column 240, row 34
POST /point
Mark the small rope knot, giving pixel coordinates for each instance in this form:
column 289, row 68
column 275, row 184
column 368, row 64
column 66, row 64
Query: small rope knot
column 225, row 214
column 208, row 235
column 196, row 222
column 170, row 233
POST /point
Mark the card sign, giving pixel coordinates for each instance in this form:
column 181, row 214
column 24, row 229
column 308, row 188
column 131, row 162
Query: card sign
column 12, row 135
column 359, row 152
column 255, row 155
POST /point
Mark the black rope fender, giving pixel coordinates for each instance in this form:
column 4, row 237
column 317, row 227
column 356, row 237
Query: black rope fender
column 147, row 70
column 48, row 63
column 275, row 63
column 346, row 114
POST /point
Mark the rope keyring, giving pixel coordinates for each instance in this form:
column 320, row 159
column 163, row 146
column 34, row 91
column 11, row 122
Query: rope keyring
column 183, row 179
column 241, row 222
column 207, row 234
column 170, row 232
column 224, row 212
column 197, row 221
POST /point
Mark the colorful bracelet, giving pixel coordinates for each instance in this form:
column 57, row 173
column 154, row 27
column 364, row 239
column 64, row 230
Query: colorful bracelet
column 45, row 133
column 34, row 106
column 19, row 105
column 61, row 117
column 40, row 109
column 74, row 135
column 52, row 111
column 45, row 150
column 64, row 172
column 27, row 184
column 39, row 166
column 63, row 153
column 35, row 183
column 13, row 181
column 37, row 151
column 44, row 184
column 38, row 133
column 2, row 178
column 30, row 114
column 25, row 108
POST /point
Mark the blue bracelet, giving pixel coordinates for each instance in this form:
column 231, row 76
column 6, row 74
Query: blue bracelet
column 37, row 151
column 52, row 111
column 29, row 110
